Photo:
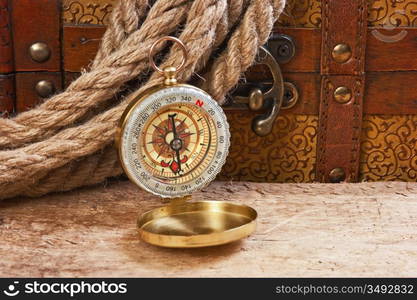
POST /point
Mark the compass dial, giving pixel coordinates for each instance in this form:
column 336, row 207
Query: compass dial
column 174, row 141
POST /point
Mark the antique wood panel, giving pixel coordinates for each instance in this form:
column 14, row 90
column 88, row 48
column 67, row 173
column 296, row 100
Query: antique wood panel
column 308, row 87
column 86, row 39
column 307, row 49
column 386, row 92
column 80, row 38
column 7, row 94
column 391, row 50
column 381, row 46
column 6, row 45
column 7, row 86
column 45, row 28
column 391, row 93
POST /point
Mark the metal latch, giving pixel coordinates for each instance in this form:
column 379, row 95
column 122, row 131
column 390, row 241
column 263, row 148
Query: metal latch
column 268, row 96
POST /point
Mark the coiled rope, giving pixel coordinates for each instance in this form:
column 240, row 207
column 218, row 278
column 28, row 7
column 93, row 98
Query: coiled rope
column 64, row 143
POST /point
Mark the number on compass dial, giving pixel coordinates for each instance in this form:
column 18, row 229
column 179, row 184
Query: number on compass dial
column 176, row 140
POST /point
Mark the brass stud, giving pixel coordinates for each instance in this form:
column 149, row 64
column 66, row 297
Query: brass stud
column 39, row 52
column 337, row 175
column 45, row 88
column 341, row 53
column 342, row 94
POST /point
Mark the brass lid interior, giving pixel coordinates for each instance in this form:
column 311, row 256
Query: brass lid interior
column 197, row 224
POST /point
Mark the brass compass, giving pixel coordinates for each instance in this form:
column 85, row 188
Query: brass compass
column 173, row 140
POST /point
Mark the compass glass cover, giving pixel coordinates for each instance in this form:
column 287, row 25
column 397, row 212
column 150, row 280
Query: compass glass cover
column 174, row 141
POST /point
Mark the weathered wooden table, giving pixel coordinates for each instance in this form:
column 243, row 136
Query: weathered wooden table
column 367, row 229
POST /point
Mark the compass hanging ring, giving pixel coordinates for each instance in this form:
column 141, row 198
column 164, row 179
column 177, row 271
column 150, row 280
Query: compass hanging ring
column 153, row 49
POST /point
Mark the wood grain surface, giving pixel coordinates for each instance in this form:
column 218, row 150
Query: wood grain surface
column 36, row 21
column 366, row 229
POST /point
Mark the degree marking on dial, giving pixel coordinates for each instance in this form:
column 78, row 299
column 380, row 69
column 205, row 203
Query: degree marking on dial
column 182, row 122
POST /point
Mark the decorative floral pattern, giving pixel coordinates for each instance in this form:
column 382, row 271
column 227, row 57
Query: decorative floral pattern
column 301, row 13
column 87, row 11
column 389, row 148
column 387, row 13
column 297, row 13
column 392, row 13
column 288, row 154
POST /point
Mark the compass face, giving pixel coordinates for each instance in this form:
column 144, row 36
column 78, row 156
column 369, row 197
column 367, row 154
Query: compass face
column 174, row 141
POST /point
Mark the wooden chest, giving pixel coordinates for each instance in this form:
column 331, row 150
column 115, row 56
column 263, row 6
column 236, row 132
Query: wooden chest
column 354, row 69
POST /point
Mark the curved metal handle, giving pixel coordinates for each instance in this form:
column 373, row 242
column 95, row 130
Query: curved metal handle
column 271, row 100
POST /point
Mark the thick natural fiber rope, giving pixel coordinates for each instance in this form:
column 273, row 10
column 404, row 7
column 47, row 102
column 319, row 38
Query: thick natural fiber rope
column 47, row 154
column 104, row 80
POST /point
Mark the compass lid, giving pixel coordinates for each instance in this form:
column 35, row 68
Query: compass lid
column 197, row 224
